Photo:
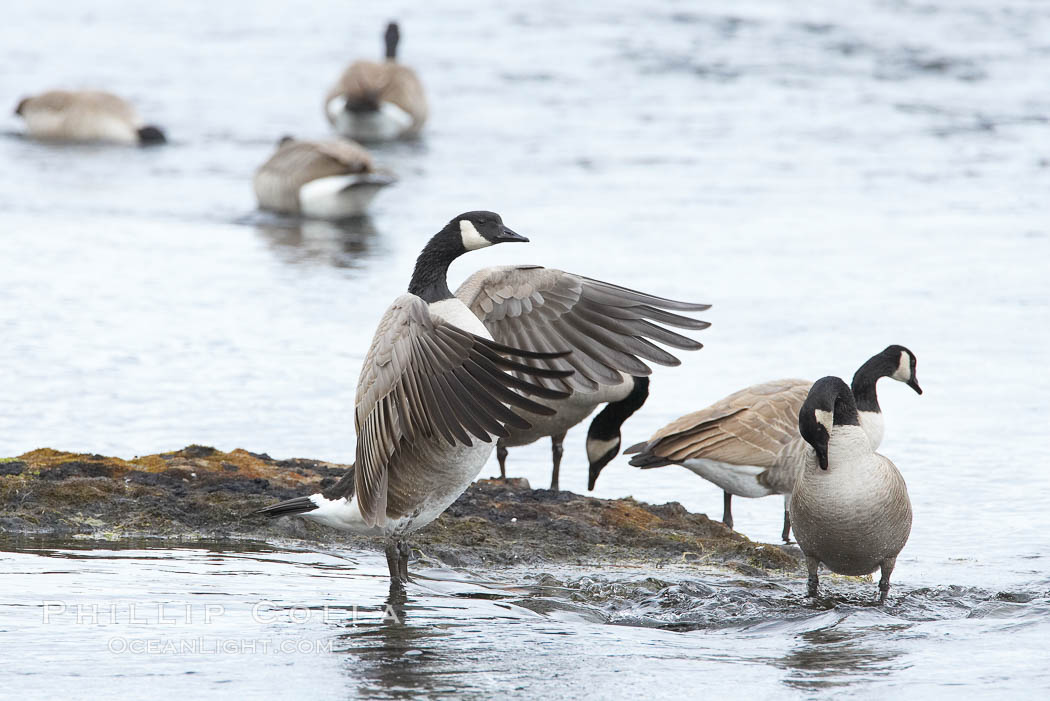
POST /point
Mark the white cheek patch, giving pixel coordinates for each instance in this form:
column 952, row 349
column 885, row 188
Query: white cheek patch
column 825, row 419
column 597, row 449
column 903, row 373
column 472, row 240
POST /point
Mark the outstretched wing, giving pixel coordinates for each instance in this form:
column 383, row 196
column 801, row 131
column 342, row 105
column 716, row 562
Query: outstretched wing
column 424, row 378
column 609, row 328
column 748, row 427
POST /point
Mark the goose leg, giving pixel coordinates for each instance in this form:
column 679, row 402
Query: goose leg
column 403, row 551
column 884, row 582
column 786, row 533
column 392, row 562
column 556, row 452
column 811, row 564
column 501, row 455
column 727, row 509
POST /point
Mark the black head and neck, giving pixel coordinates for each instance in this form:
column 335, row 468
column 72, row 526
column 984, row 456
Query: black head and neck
column 603, row 437
column 896, row 362
column 151, row 136
column 830, row 403
column 392, row 36
column 467, row 232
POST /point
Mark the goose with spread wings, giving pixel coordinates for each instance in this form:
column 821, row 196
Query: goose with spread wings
column 610, row 330
column 435, row 390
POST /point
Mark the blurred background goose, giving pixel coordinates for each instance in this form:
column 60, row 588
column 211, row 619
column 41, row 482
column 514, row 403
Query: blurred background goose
column 85, row 115
column 331, row 179
column 378, row 101
column 434, row 391
column 850, row 505
column 748, row 443
column 607, row 327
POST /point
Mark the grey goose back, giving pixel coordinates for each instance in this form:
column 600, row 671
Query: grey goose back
column 330, row 179
column 434, row 392
column 850, row 506
column 748, row 443
column 378, row 101
column 610, row 330
column 85, row 116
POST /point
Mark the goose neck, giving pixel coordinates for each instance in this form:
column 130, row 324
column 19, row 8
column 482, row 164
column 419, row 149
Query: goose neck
column 430, row 277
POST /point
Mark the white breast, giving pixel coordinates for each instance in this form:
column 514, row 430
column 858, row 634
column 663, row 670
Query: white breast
column 454, row 312
column 873, row 425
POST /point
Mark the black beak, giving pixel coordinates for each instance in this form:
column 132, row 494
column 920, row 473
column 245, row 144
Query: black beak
column 592, row 477
column 508, row 236
column 822, row 456
column 598, row 465
column 914, row 384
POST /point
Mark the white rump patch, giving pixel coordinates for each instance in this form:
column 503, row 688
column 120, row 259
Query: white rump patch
column 472, row 240
column 903, row 373
column 335, row 107
column 336, row 197
column 390, row 122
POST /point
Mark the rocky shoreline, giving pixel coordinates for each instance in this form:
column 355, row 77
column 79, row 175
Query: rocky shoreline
column 200, row 492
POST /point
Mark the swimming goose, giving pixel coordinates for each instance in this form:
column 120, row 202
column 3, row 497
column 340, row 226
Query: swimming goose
column 378, row 101
column 331, row 179
column 748, row 443
column 607, row 327
column 85, row 115
column 433, row 392
column 850, row 505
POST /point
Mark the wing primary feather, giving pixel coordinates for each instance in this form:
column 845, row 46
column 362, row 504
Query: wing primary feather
column 514, row 399
column 488, row 409
column 610, row 358
column 667, row 337
column 524, row 385
column 493, row 391
column 497, row 382
column 436, row 408
column 519, row 352
column 444, row 398
column 449, row 399
column 470, row 414
column 504, row 363
column 664, row 317
column 617, row 292
column 617, row 349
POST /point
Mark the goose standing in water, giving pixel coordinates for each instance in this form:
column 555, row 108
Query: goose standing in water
column 434, row 390
column 331, row 179
column 378, row 101
column 850, row 505
column 748, row 443
column 85, row 115
column 607, row 327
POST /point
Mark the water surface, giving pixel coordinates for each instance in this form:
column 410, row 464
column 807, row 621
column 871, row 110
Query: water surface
column 833, row 178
